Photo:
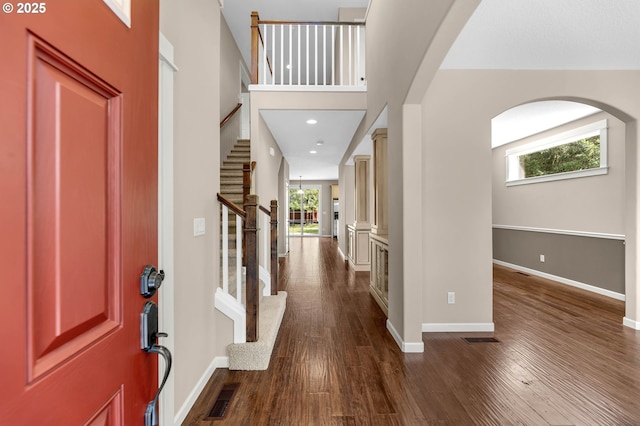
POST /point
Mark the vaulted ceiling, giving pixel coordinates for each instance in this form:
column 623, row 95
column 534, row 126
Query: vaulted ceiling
column 502, row 34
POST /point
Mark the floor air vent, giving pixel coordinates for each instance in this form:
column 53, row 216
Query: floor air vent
column 522, row 273
column 481, row 339
column 219, row 408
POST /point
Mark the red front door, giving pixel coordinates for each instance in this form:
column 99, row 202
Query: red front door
column 78, row 211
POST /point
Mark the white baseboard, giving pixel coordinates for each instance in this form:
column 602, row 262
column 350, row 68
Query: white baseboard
column 265, row 277
column 407, row 347
column 458, row 327
column 359, row 267
column 341, row 253
column 631, row 323
column 218, row 362
column 578, row 284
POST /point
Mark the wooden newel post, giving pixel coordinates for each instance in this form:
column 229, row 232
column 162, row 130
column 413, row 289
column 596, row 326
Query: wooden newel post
column 251, row 255
column 246, row 188
column 255, row 46
column 274, row 247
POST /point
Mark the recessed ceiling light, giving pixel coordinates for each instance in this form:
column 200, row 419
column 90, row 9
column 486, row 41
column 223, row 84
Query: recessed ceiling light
column 320, row 143
column 313, row 152
column 288, row 66
column 311, row 121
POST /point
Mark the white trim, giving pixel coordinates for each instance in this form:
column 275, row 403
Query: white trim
column 265, row 277
column 341, row 253
column 458, row 327
column 166, row 70
column 514, row 170
column 631, row 323
column 559, row 139
column 218, row 362
column 578, row 284
column 620, row 237
column 407, row 347
column 235, row 311
column 122, row 9
column 359, row 267
column 559, row 176
column 287, row 88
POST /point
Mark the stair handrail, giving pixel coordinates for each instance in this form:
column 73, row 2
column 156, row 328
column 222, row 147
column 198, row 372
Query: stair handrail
column 232, row 206
column 231, row 114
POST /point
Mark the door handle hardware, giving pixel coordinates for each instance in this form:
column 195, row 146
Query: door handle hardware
column 150, row 281
column 148, row 336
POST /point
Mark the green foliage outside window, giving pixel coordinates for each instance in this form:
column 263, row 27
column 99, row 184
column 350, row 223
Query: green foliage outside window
column 310, row 198
column 579, row 155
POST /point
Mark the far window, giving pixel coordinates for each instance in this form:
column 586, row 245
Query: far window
column 577, row 153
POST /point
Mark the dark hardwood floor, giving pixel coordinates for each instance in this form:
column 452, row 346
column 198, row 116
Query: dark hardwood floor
column 563, row 357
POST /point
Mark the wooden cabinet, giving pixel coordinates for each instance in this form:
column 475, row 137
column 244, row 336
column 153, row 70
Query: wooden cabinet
column 379, row 286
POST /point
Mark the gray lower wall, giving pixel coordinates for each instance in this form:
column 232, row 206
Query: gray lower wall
column 595, row 261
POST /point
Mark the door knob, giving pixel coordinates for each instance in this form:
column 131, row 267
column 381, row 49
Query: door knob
column 150, row 281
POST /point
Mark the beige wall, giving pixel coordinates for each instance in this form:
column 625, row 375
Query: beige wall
column 346, row 188
column 230, row 83
column 268, row 166
column 393, row 79
column 593, row 204
column 201, row 333
column 464, row 166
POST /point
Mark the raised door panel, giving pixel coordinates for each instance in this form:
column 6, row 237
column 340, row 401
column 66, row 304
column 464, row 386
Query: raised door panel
column 73, row 205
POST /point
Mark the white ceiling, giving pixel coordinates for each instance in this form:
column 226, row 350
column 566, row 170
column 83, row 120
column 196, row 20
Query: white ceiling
column 535, row 117
column 502, row 34
column 550, row 34
column 296, row 139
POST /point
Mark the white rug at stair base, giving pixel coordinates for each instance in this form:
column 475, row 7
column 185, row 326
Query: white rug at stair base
column 256, row 355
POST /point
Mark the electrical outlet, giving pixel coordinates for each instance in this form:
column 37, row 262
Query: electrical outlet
column 542, row 258
column 451, row 297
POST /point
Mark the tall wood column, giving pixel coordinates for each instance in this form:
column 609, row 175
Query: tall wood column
column 362, row 191
column 380, row 223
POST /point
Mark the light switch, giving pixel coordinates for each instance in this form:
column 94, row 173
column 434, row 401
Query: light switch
column 198, row 226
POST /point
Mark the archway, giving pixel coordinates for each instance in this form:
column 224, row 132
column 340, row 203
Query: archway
column 558, row 194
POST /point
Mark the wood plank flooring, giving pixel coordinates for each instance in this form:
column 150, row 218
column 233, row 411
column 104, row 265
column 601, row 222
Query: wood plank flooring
column 563, row 358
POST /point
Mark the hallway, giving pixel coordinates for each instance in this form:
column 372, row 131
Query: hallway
column 563, row 357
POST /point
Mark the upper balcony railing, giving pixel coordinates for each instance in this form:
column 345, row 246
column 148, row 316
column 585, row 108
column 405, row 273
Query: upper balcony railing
column 285, row 53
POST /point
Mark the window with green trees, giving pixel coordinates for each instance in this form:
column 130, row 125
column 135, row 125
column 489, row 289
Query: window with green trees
column 579, row 155
column 576, row 153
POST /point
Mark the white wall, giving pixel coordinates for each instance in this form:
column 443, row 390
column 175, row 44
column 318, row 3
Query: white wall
column 593, row 204
column 201, row 333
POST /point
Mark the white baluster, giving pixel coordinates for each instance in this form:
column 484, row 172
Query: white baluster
column 299, row 30
column 281, row 54
column 341, row 54
column 225, row 249
column 333, row 57
column 265, row 66
column 273, row 55
column 290, row 64
column 239, row 259
column 324, row 55
column 350, row 56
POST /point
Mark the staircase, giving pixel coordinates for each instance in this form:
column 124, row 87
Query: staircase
column 245, row 355
column 231, row 171
column 231, row 188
